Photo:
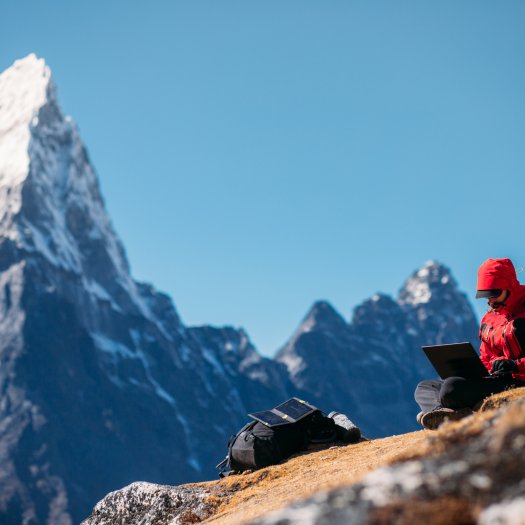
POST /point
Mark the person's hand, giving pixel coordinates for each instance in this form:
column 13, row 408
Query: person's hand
column 503, row 367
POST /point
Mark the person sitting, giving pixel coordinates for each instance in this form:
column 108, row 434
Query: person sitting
column 502, row 350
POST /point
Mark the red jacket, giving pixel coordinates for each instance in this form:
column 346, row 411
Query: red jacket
column 497, row 331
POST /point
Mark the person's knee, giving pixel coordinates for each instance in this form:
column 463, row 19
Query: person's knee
column 429, row 384
column 451, row 394
column 421, row 387
column 426, row 394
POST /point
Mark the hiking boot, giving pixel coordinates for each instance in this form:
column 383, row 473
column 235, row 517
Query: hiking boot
column 435, row 418
column 347, row 431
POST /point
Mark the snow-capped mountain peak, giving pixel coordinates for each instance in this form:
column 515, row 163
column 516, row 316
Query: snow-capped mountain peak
column 24, row 89
column 436, row 308
column 50, row 201
column 420, row 286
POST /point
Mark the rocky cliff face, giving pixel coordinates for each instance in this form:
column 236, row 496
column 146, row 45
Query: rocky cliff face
column 368, row 367
column 100, row 382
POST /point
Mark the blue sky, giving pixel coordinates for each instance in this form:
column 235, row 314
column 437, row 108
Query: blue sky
column 258, row 156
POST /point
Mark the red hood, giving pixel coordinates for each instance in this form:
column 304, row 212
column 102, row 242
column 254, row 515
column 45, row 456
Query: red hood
column 501, row 274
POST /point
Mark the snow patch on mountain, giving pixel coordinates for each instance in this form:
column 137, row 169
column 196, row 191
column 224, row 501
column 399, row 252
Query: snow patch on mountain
column 24, row 89
column 417, row 289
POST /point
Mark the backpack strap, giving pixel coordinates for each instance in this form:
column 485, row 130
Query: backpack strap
column 224, row 466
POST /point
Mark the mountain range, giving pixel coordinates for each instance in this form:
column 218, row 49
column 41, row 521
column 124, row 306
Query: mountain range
column 101, row 383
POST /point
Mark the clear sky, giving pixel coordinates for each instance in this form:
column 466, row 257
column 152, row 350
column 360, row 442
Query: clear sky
column 256, row 156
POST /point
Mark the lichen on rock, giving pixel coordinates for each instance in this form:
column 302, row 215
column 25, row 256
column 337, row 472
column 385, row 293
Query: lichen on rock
column 152, row 504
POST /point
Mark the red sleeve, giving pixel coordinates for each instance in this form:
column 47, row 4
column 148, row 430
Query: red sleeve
column 515, row 345
column 488, row 355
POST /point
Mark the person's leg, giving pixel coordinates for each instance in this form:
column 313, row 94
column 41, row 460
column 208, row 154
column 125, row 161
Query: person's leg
column 427, row 394
column 458, row 392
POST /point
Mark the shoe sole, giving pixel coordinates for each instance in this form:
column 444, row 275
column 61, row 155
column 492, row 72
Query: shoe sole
column 433, row 420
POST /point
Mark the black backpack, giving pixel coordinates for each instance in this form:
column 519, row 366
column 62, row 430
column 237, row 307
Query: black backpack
column 257, row 446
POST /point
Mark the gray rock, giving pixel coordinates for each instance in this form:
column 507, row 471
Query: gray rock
column 510, row 512
column 149, row 504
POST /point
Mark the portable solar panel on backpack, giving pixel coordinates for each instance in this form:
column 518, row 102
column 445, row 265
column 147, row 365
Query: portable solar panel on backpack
column 275, row 435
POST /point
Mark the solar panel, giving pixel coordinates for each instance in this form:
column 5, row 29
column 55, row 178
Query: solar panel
column 269, row 418
column 286, row 413
column 295, row 408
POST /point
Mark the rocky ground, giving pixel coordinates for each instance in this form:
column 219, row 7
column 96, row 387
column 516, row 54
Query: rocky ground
column 471, row 471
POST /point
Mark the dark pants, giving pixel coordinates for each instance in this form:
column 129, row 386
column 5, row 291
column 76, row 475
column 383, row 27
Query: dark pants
column 458, row 392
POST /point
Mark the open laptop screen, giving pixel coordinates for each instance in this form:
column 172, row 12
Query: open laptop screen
column 456, row 360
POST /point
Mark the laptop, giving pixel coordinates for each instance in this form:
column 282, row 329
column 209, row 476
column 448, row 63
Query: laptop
column 456, row 360
column 286, row 413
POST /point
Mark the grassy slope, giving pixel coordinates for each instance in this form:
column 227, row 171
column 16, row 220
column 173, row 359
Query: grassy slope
column 240, row 499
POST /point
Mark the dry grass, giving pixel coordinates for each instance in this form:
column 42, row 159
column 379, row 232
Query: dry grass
column 246, row 497
column 443, row 511
column 242, row 498
column 504, row 398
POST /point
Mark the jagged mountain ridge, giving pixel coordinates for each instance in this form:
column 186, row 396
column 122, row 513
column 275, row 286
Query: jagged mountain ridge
column 368, row 367
column 99, row 375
